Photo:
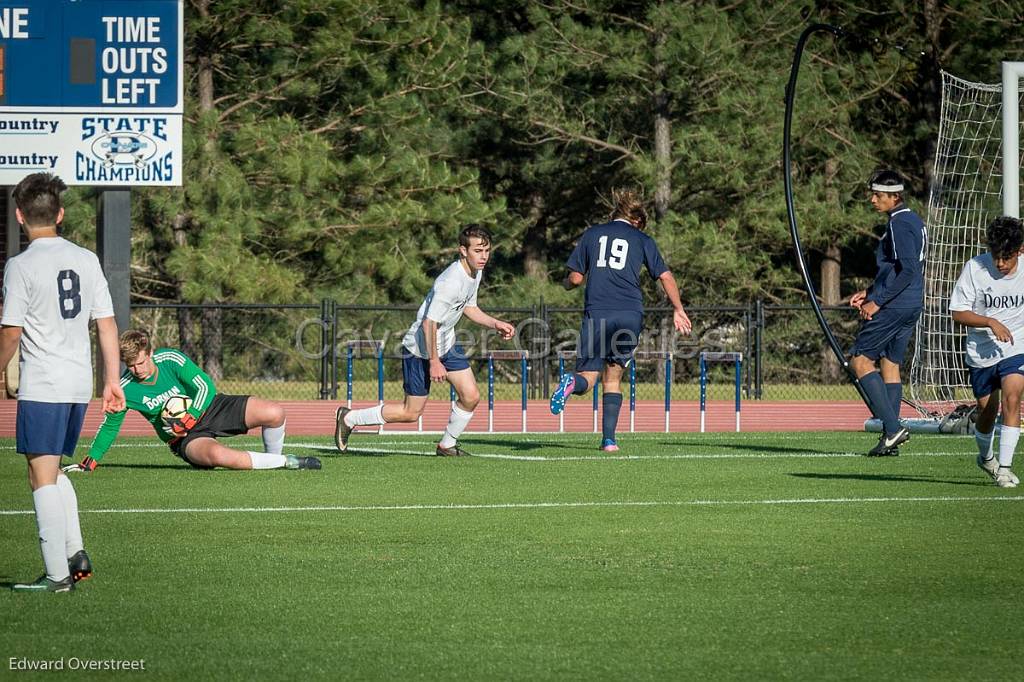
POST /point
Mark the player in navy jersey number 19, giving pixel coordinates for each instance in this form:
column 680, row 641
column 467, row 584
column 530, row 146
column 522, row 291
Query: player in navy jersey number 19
column 610, row 257
column 51, row 292
column 889, row 309
column 989, row 300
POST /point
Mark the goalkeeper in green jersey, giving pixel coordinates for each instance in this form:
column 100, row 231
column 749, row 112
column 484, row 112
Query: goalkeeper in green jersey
column 154, row 376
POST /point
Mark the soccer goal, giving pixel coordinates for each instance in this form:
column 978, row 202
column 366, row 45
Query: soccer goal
column 976, row 177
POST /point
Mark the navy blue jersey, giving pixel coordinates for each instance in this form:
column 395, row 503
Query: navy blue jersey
column 611, row 256
column 900, row 258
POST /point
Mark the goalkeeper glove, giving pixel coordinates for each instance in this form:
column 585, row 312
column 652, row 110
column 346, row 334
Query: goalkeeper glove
column 85, row 466
column 182, row 426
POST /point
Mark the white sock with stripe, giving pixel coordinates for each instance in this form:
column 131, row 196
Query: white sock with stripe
column 1008, row 437
column 273, row 438
column 457, row 423
column 51, row 522
column 368, row 416
column 72, row 528
column 267, row 460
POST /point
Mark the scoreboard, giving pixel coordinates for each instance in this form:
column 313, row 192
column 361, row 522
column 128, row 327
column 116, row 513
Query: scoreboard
column 91, row 90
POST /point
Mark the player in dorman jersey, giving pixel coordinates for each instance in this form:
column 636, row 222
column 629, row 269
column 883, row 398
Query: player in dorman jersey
column 154, row 375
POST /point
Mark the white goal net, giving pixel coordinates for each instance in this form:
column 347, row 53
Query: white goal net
column 966, row 193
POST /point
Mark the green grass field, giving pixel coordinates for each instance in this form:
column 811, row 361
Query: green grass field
column 725, row 556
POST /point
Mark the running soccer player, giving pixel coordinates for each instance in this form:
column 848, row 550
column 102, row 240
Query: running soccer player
column 610, row 256
column 989, row 300
column 51, row 291
column 889, row 309
column 153, row 376
column 430, row 353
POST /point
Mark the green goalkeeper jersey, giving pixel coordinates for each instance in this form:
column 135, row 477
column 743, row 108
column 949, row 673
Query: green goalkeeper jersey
column 175, row 374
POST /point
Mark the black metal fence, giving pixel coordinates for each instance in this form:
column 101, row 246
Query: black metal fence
column 301, row 351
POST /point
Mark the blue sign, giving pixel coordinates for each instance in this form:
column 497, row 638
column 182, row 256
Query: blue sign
column 91, row 54
column 91, row 90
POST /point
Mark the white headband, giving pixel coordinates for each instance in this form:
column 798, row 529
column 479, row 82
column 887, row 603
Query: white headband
column 876, row 187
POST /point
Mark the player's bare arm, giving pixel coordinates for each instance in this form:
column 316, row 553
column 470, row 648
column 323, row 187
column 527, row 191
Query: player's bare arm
column 437, row 371
column 972, row 319
column 474, row 314
column 857, row 300
column 113, row 395
column 10, row 337
column 679, row 318
column 572, row 280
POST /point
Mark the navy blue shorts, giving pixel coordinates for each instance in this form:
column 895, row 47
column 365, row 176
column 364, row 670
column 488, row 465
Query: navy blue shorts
column 416, row 370
column 609, row 339
column 886, row 334
column 49, row 428
column 985, row 380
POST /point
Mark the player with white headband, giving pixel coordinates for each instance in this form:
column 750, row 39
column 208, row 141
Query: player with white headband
column 889, row 308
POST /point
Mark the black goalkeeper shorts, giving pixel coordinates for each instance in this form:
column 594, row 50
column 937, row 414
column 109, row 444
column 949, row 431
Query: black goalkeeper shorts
column 224, row 417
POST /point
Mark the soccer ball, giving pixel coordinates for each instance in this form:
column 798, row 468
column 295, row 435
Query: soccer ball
column 175, row 408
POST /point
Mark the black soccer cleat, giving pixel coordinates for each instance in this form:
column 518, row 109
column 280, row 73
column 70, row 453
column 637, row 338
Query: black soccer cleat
column 293, row 462
column 453, row 451
column 888, row 443
column 80, row 566
column 44, row 584
column 309, row 463
column 341, row 430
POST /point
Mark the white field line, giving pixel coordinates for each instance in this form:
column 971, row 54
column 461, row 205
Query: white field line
column 533, row 505
column 546, row 437
column 607, row 458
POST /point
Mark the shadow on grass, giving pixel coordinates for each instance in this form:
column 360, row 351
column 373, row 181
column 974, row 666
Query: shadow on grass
column 520, row 445
column 753, row 447
column 894, row 478
column 368, row 452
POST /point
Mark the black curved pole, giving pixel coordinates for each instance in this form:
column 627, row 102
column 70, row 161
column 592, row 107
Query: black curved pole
column 794, row 231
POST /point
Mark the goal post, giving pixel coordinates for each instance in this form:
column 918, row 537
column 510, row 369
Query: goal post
column 1013, row 73
column 976, row 176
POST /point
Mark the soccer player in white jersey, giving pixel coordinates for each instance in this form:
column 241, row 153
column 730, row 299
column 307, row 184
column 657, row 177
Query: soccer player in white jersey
column 430, row 353
column 989, row 299
column 51, row 292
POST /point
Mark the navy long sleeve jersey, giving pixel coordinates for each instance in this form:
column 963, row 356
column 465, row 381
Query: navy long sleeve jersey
column 900, row 258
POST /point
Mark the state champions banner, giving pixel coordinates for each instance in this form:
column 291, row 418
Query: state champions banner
column 91, row 90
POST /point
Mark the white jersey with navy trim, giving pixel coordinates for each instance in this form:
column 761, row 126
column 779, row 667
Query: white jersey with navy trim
column 453, row 290
column 52, row 290
column 982, row 289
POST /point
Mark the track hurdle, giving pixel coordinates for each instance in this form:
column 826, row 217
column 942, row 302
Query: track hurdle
column 651, row 355
column 705, row 358
column 524, row 379
column 378, row 350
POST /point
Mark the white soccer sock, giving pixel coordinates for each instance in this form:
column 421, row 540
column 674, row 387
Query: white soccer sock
column 51, row 522
column 1008, row 437
column 984, row 443
column 72, row 529
column 267, row 460
column 273, row 438
column 457, row 423
column 368, row 416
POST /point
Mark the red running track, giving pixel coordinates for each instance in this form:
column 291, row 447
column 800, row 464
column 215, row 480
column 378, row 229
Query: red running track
column 316, row 417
